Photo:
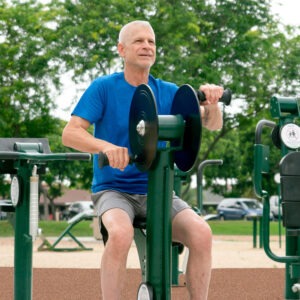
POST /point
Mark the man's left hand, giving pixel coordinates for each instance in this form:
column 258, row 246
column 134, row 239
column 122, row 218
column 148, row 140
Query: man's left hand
column 212, row 93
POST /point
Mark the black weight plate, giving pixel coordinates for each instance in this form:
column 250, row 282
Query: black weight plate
column 275, row 135
column 143, row 108
column 186, row 104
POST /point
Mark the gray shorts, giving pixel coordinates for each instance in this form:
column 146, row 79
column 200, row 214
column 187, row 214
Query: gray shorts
column 135, row 205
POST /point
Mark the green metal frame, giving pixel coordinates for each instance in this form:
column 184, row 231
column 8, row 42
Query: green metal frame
column 159, row 230
column 140, row 237
column 285, row 110
column 47, row 246
column 23, row 160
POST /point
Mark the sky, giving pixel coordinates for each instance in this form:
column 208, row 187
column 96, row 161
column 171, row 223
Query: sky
column 287, row 10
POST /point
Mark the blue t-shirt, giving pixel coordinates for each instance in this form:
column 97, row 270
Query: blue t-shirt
column 106, row 105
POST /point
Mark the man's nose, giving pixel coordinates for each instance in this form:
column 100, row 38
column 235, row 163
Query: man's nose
column 147, row 44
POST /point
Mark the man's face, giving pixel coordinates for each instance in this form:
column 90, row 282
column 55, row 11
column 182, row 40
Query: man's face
column 139, row 49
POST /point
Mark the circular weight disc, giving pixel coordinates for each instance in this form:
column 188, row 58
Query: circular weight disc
column 186, row 104
column 145, row 292
column 143, row 127
column 275, row 135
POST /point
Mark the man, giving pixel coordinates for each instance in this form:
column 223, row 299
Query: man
column 119, row 191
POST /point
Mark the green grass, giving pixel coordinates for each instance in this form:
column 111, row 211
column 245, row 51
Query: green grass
column 54, row 229
column 51, row 228
column 239, row 228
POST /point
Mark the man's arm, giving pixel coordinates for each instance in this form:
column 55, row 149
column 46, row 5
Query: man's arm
column 76, row 136
column 211, row 114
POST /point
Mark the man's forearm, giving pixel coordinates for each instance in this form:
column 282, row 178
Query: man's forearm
column 212, row 117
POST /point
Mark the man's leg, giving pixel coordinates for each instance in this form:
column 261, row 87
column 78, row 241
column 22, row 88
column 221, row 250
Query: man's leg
column 113, row 264
column 193, row 232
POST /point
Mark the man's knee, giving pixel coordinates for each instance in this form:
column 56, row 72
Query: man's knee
column 201, row 236
column 120, row 237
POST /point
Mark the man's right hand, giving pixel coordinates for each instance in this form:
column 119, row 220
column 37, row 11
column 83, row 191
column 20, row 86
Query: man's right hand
column 118, row 157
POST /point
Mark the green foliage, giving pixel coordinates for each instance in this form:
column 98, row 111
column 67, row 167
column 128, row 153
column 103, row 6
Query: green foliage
column 234, row 43
column 27, row 69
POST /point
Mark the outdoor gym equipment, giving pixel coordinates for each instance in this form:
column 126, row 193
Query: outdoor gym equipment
column 286, row 136
column 201, row 167
column 146, row 127
column 25, row 159
column 182, row 133
column 47, row 246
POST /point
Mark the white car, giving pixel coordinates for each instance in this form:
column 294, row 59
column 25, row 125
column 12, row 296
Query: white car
column 275, row 206
column 78, row 207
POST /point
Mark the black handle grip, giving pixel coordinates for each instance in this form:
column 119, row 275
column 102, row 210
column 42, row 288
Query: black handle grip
column 78, row 156
column 226, row 97
column 102, row 160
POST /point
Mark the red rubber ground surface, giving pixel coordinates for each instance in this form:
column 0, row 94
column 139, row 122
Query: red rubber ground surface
column 83, row 284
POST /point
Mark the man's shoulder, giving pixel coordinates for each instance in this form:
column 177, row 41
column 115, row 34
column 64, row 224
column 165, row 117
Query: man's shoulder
column 109, row 78
column 163, row 83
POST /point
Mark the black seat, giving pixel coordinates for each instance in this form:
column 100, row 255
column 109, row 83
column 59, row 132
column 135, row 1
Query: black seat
column 290, row 191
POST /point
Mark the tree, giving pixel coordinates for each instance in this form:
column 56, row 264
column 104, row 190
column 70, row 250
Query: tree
column 29, row 74
column 27, row 69
column 234, row 43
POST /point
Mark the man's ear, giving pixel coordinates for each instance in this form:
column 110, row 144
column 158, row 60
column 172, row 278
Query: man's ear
column 121, row 49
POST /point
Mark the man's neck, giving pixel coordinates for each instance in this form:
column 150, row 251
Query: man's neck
column 136, row 78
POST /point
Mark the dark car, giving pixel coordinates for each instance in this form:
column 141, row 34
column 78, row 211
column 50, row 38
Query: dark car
column 239, row 209
column 6, row 207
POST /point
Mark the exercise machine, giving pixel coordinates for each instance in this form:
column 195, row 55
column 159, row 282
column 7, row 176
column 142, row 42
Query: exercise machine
column 181, row 133
column 285, row 135
column 25, row 159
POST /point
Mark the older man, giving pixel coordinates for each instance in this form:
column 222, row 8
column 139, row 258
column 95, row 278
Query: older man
column 120, row 191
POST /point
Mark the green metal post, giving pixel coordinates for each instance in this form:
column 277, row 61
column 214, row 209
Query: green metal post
column 23, row 241
column 175, row 248
column 290, row 280
column 175, row 263
column 260, row 233
column 199, row 197
column 279, row 215
column 159, row 228
column 254, row 232
column 200, row 177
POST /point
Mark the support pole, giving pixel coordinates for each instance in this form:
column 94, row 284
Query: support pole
column 23, row 241
column 200, row 177
column 159, row 228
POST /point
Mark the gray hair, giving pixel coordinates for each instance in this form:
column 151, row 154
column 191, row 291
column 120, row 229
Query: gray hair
column 124, row 29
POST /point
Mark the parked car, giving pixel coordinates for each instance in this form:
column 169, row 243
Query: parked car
column 76, row 208
column 239, row 209
column 210, row 217
column 275, row 206
column 3, row 215
column 5, row 208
